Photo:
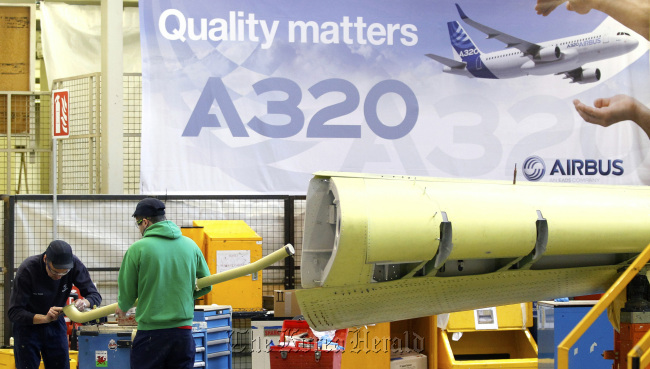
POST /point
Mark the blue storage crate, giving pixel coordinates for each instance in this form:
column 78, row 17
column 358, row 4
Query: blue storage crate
column 107, row 346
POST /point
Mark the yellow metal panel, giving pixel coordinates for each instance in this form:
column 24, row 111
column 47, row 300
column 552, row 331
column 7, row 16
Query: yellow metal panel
column 196, row 234
column 7, row 359
column 482, row 214
column 227, row 229
column 418, row 236
column 508, row 317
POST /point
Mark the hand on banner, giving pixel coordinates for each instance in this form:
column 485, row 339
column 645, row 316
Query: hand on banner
column 634, row 14
column 607, row 111
column 545, row 7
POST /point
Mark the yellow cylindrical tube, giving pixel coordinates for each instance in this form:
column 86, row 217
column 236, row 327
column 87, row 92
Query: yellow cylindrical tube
column 82, row 317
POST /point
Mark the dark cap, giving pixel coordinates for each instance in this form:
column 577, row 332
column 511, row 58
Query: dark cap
column 59, row 253
column 149, row 207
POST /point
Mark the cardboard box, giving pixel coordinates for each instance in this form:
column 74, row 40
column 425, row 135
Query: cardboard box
column 285, row 304
column 417, row 361
column 15, row 66
column 15, row 39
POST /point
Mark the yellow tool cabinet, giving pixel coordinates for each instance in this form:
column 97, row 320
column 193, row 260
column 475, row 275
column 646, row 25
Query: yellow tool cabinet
column 227, row 244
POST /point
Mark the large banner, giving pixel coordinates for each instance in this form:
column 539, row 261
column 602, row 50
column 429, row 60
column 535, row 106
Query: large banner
column 252, row 97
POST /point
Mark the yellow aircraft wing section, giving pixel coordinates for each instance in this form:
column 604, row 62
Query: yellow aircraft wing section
column 380, row 248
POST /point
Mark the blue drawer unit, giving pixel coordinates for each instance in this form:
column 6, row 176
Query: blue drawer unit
column 217, row 322
column 200, row 341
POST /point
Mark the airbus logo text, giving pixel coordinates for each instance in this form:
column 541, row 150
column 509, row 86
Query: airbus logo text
column 572, row 170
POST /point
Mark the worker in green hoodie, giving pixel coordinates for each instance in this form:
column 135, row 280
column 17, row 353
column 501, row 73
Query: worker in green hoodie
column 160, row 271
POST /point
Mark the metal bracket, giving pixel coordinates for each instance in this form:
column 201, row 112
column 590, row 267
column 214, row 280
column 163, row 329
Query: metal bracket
column 444, row 247
column 540, row 243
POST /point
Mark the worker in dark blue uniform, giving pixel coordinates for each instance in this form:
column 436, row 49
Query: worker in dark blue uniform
column 40, row 290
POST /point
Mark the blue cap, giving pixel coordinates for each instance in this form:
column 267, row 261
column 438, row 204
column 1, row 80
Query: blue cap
column 59, row 253
column 149, row 207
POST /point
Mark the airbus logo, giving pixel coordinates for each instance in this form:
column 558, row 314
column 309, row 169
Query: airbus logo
column 534, row 168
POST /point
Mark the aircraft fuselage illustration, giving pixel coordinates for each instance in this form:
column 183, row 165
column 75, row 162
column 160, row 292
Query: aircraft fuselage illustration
column 565, row 56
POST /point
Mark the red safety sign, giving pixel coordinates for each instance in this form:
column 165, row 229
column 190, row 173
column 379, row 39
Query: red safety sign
column 60, row 113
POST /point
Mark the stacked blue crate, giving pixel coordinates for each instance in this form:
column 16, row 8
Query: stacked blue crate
column 217, row 322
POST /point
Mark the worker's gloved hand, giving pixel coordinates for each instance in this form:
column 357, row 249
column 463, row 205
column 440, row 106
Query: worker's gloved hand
column 82, row 304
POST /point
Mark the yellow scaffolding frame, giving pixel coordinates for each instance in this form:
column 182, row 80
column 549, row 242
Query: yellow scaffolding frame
column 638, row 357
column 601, row 305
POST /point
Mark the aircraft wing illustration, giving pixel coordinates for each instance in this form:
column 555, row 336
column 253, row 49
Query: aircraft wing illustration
column 380, row 248
column 451, row 63
column 528, row 48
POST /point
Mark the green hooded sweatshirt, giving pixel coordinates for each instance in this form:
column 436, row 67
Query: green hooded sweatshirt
column 160, row 271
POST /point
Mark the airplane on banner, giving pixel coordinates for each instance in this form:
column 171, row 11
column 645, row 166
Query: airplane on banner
column 562, row 56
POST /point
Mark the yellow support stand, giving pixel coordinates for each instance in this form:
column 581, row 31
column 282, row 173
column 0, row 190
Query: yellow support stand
column 638, row 353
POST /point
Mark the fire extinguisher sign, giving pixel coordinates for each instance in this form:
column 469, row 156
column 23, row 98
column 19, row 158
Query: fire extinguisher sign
column 61, row 113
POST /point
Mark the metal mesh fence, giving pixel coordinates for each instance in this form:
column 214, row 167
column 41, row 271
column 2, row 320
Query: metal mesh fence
column 4, row 290
column 79, row 164
column 25, row 153
column 78, row 155
column 25, row 148
column 100, row 229
column 132, row 123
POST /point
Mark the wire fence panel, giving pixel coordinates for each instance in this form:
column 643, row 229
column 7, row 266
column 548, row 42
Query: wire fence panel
column 132, row 123
column 100, row 229
column 25, row 148
column 78, row 156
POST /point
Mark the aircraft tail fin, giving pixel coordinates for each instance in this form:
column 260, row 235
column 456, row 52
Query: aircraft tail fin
column 464, row 48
